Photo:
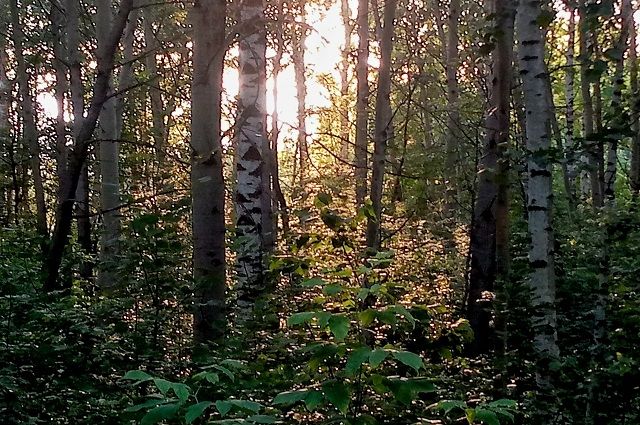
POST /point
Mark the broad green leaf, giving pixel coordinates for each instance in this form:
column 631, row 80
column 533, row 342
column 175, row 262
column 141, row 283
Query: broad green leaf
column 449, row 405
column 238, row 364
column 314, row 281
column 300, row 318
column 339, row 326
column 323, row 199
column 338, row 394
column 487, row 416
column 196, row 410
column 226, row 371
column 262, row 419
column 163, row 385
column 504, row 403
column 471, row 414
column 402, row 311
column 223, row 407
column 331, row 290
column 408, row 358
column 137, row 375
column 313, row 399
column 182, row 391
column 323, row 318
column 145, row 405
column 157, row 414
column 401, row 390
column 247, row 405
column 357, row 357
column 377, row 356
column 367, row 316
column 290, row 397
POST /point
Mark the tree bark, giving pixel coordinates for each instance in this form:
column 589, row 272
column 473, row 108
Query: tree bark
column 301, row 95
column 587, row 102
column 569, row 77
column 634, row 171
column 362, row 102
column 250, row 158
column 29, row 119
column 207, row 181
column 109, row 152
column 78, row 155
column 345, row 130
column 383, row 125
column 539, row 204
column 489, row 230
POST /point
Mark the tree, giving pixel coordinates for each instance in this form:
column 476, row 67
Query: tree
column 489, row 226
column 207, row 182
column 531, row 64
column 297, row 57
column 251, row 209
column 362, row 101
column 109, row 158
column 29, row 119
column 78, row 153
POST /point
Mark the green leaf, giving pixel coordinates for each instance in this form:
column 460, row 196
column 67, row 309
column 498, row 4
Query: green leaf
column 449, row 405
column 367, row 316
column 401, row 390
column 145, row 405
column 137, row 375
column 314, row 281
column 408, row 358
column 313, row 399
column 377, row 356
column 226, row 371
column 160, row 413
column 471, row 415
column 223, row 407
column 339, row 325
column 290, row 397
column 331, row 290
column 300, row 318
column 486, row 416
column 402, row 311
column 182, row 391
column 504, row 403
column 196, row 410
column 323, row 199
column 323, row 318
column 338, row 394
column 163, row 385
column 262, row 419
column 356, row 359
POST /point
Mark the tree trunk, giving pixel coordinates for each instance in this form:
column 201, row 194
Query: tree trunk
column 158, row 128
column 301, row 95
column 5, row 126
column 617, row 123
column 383, row 125
column 78, row 155
column 570, row 149
column 77, row 104
column 207, row 181
column 109, row 160
column 61, row 87
column 634, row 171
column 539, row 203
column 29, row 119
column 275, row 129
column 489, row 230
column 345, row 130
column 250, row 158
column 362, row 102
column 453, row 136
column 587, row 102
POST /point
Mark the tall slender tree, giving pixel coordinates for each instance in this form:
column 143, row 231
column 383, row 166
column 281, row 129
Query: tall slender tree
column 534, row 77
column 489, row 228
column 250, row 158
column 298, row 58
column 634, row 171
column 362, row 101
column 207, row 181
column 383, row 124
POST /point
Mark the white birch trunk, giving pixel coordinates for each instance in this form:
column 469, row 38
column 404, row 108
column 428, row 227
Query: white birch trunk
column 569, row 93
column 539, row 204
column 362, row 102
column 250, row 158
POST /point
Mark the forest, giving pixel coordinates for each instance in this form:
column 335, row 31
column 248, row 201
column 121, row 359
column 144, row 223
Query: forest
column 349, row 212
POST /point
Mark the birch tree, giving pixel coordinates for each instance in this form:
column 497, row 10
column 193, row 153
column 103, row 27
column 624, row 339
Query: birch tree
column 301, row 95
column 250, row 158
column 207, row 182
column 634, row 171
column 531, row 64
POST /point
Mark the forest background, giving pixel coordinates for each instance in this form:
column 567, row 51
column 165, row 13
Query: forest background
column 248, row 212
